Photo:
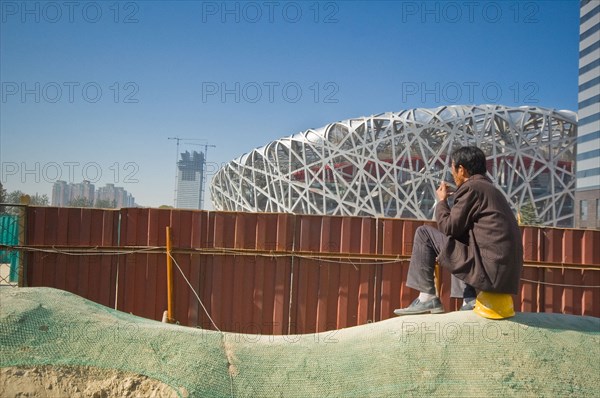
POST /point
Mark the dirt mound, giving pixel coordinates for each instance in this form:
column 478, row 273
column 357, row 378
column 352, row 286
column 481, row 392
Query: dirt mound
column 65, row 381
column 454, row 354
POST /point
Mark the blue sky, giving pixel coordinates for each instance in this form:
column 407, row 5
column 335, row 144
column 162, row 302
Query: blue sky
column 94, row 89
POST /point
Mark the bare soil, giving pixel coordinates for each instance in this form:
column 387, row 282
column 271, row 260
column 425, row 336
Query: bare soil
column 83, row 381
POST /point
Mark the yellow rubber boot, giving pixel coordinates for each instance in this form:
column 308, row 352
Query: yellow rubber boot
column 494, row 305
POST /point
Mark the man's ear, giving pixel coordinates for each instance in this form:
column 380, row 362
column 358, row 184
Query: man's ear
column 465, row 172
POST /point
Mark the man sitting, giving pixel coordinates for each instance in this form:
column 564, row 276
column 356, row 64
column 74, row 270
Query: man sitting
column 478, row 240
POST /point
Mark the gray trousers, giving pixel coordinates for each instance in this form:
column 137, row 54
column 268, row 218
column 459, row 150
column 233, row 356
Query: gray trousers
column 428, row 243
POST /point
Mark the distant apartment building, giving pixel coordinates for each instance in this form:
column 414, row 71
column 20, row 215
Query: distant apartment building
column 83, row 190
column 115, row 197
column 61, row 192
column 85, row 194
column 190, row 180
column 587, row 193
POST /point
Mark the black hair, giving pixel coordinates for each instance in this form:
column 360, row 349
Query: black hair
column 471, row 158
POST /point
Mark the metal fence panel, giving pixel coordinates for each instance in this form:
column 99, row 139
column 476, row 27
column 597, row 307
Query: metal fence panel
column 277, row 273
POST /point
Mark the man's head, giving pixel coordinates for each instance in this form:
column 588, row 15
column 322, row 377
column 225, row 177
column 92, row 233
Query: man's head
column 466, row 162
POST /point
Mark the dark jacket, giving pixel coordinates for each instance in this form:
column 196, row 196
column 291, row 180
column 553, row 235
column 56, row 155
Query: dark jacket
column 485, row 249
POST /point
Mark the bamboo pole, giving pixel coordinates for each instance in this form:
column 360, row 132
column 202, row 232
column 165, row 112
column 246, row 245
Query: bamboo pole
column 170, row 291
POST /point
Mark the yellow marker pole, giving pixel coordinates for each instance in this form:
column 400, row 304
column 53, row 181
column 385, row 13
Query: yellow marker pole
column 170, row 301
column 438, row 281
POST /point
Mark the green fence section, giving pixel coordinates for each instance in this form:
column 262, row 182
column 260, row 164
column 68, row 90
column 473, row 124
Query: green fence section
column 9, row 235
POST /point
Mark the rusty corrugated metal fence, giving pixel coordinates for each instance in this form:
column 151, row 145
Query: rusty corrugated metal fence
column 266, row 273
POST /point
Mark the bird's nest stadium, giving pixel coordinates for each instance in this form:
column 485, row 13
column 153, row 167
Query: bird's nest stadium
column 389, row 165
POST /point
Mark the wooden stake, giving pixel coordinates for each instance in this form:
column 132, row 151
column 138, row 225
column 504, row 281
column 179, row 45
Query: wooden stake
column 170, row 291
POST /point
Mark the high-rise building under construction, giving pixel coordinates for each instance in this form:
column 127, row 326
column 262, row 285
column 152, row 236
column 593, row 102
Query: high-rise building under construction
column 190, row 180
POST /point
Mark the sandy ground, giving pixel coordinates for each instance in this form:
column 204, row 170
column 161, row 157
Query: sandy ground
column 63, row 381
column 4, row 275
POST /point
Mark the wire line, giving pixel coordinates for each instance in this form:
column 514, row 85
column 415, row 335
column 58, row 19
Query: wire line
column 561, row 284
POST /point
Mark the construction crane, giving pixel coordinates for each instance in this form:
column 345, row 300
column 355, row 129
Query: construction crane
column 206, row 146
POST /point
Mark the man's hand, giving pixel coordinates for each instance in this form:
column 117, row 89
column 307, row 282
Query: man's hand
column 442, row 192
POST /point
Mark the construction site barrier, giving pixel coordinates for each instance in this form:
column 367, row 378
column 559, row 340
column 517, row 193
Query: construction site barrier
column 271, row 273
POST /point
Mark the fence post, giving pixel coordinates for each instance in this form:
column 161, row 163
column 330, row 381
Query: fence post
column 21, row 256
column 170, row 318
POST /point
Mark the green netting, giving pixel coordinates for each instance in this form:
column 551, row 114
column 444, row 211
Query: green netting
column 454, row 354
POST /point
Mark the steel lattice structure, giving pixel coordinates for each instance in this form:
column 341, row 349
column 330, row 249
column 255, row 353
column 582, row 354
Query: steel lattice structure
column 389, row 165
